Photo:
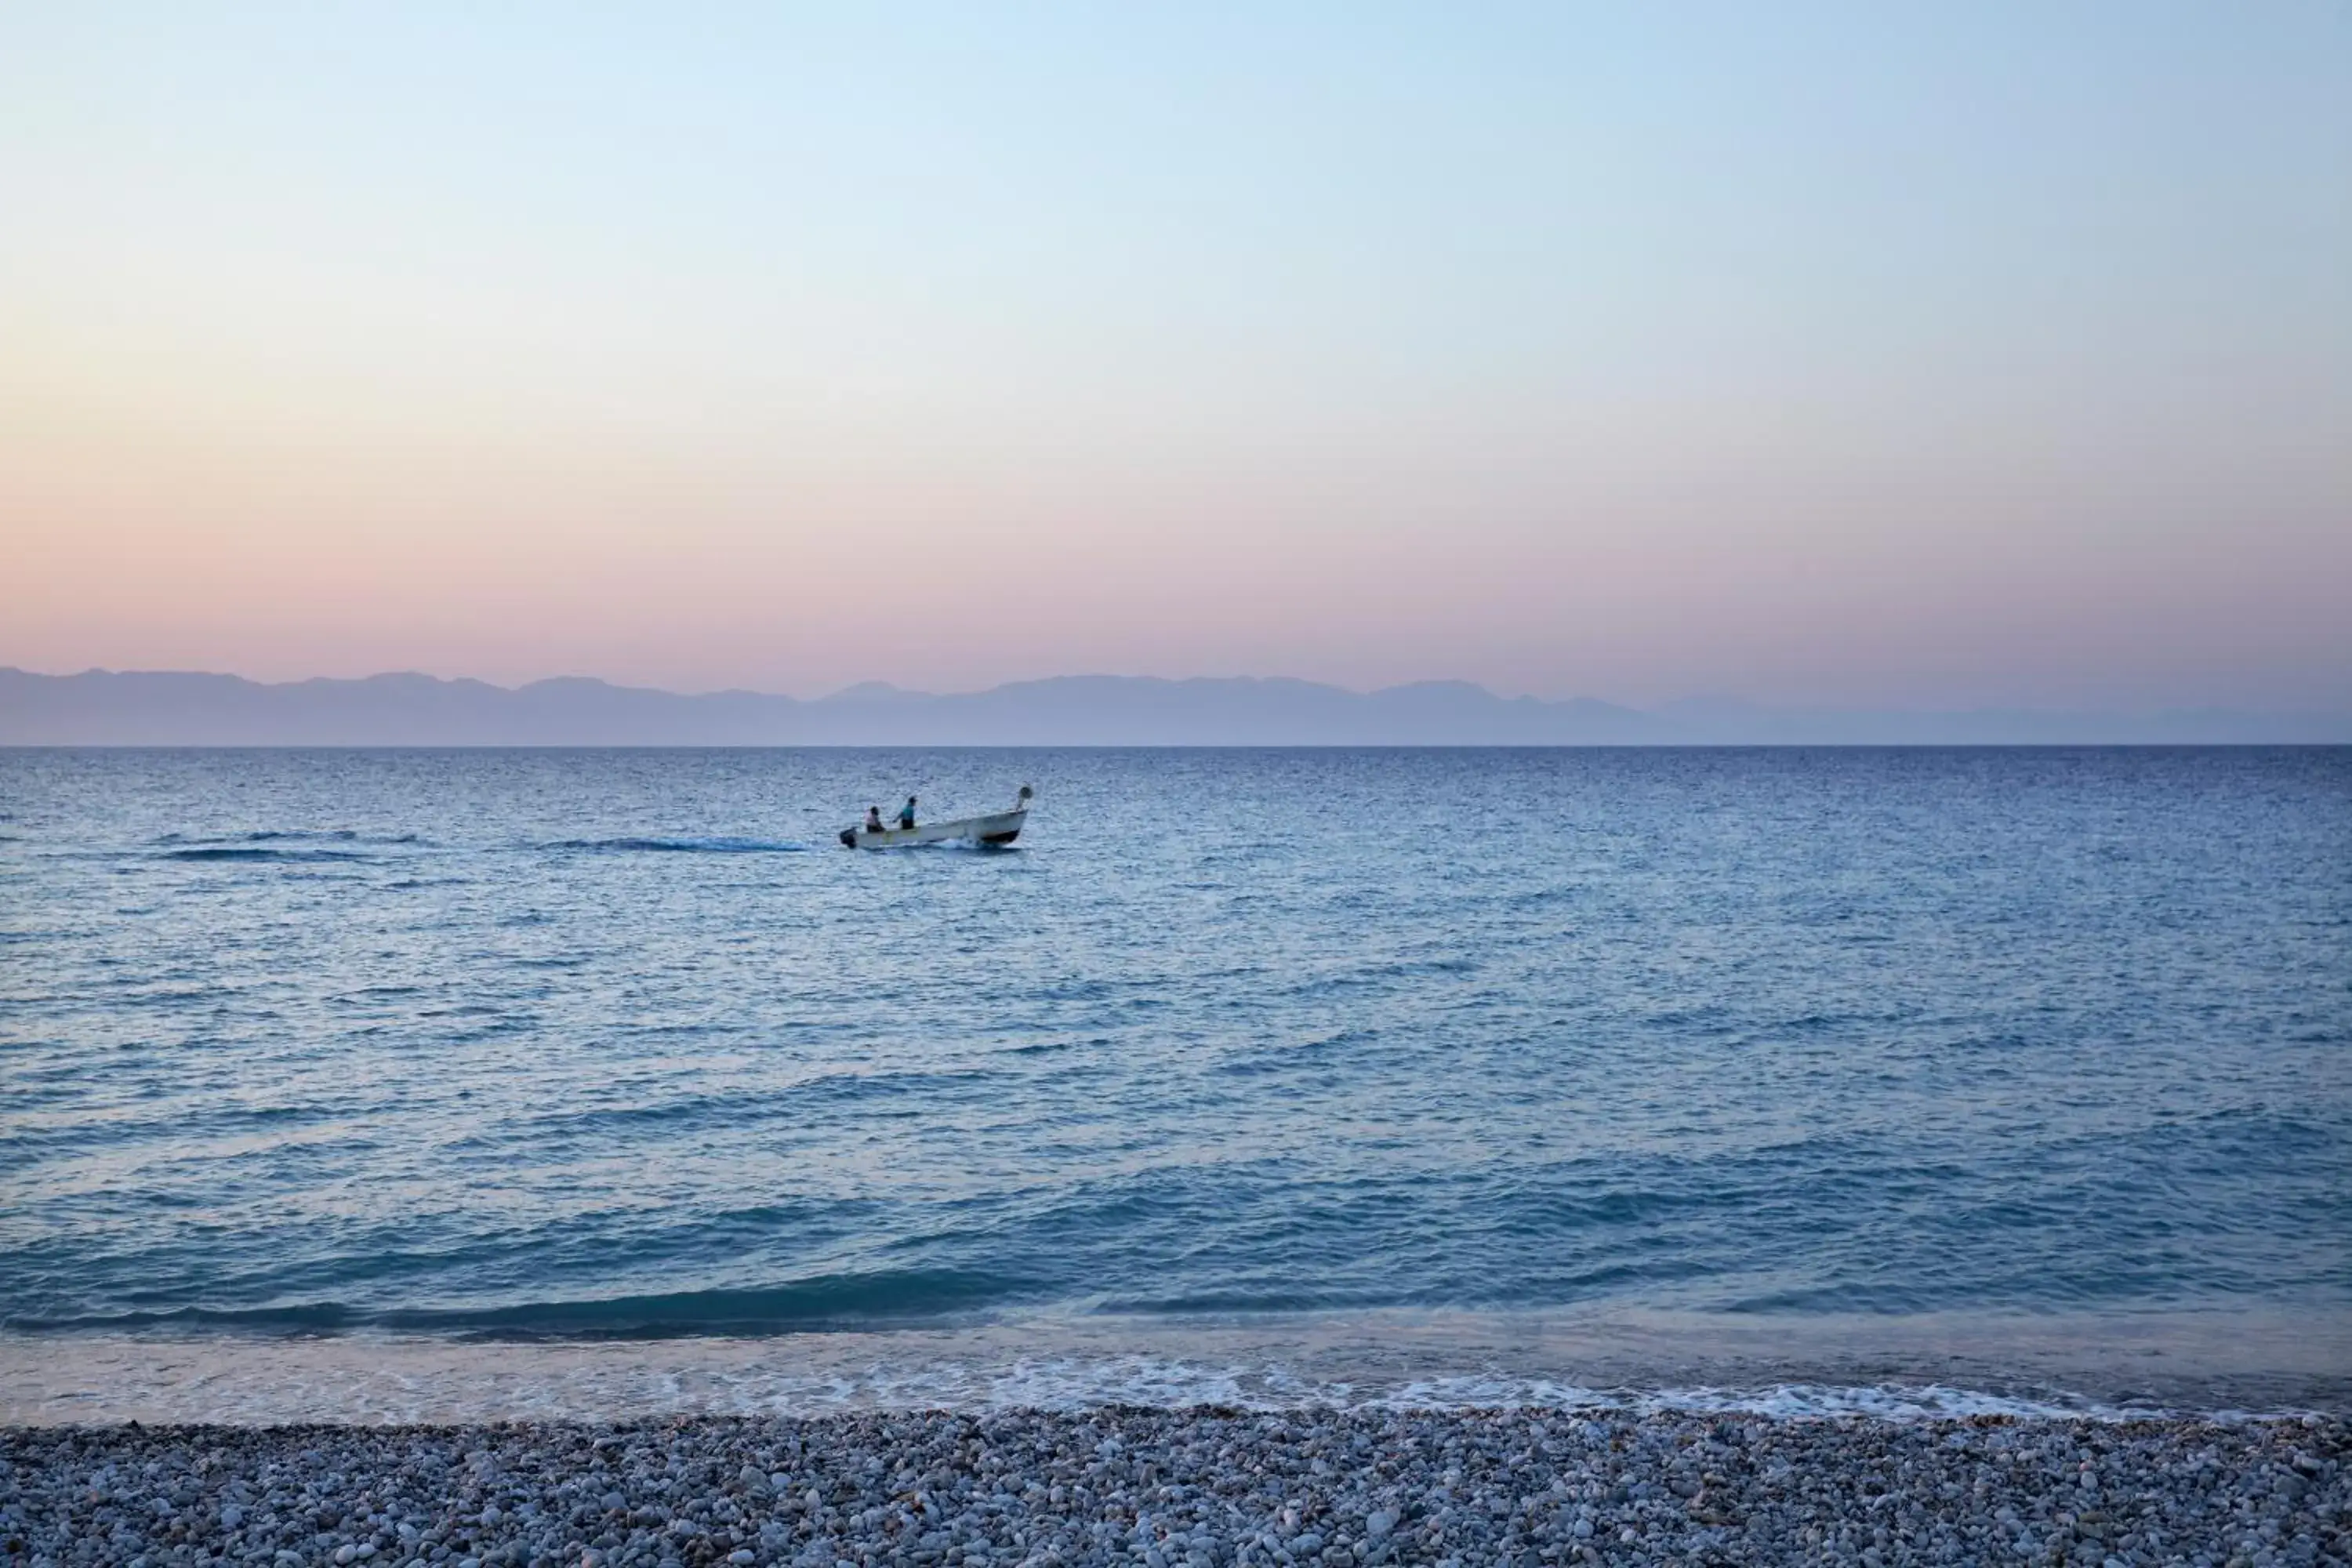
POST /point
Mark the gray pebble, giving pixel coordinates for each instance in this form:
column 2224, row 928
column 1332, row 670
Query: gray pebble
column 1184, row 1488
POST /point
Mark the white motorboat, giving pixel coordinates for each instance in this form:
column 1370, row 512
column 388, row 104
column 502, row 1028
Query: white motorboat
column 997, row 828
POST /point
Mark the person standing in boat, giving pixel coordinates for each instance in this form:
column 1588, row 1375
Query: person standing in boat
column 907, row 813
column 874, row 819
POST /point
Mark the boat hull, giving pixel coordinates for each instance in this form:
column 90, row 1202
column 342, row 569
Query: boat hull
column 994, row 830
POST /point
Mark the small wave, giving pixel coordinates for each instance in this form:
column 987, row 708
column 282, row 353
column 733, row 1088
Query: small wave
column 859, row 1301
column 224, row 852
column 681, row 846
column 292, row 836
column 1047, row 1047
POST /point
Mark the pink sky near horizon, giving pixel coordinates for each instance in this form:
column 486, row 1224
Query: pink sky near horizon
column 626, row 361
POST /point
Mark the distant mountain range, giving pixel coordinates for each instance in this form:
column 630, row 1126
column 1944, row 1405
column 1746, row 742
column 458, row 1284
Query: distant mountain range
column 173, row 709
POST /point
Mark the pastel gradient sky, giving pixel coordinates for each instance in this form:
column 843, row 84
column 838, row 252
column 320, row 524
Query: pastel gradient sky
column 1931, row 355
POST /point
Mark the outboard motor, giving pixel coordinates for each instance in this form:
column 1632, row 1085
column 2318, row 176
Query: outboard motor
column 849, row 838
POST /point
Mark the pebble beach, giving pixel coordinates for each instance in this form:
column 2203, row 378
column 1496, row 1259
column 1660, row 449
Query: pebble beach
column 1203, row 1487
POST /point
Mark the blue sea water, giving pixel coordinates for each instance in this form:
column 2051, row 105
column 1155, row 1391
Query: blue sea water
column 1770, row 1046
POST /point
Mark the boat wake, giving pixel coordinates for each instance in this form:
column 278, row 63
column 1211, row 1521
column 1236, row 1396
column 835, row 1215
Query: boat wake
column 639, row 845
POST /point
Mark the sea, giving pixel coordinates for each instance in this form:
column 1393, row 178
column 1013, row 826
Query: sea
column 392, row 1085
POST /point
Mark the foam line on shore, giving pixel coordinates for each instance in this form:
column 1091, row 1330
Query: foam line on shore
column 403, row 1379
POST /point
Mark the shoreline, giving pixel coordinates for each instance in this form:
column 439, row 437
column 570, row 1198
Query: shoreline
column 1199, row 1487
column 2108, row 1366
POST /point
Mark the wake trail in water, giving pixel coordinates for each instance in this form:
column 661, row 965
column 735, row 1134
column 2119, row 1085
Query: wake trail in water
column 641, row 845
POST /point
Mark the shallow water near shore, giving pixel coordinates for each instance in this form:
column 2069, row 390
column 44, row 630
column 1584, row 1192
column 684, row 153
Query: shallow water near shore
column 1466, row 1077
column 1937, row 1367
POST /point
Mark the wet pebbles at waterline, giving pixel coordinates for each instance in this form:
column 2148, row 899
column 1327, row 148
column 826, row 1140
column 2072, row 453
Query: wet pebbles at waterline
column 1203, row 1488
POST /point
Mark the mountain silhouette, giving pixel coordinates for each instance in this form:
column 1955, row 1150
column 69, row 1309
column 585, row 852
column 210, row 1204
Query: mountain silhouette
column 183, row 709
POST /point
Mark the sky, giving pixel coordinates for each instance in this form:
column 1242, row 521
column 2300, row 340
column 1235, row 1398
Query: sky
column 1933, row 356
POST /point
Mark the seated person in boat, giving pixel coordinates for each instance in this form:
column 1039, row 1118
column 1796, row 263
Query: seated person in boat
column 873, row 819
column 907, row 813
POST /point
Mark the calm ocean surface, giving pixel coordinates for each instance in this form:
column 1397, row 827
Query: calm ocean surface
column 1377, row 1067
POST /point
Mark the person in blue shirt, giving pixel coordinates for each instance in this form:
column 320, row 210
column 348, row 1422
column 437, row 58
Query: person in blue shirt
column 907, row 813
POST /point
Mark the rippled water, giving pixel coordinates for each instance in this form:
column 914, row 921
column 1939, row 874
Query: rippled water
column 622, row 1043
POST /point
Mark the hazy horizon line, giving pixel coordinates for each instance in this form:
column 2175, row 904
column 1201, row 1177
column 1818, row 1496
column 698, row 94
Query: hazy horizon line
column 1717, row 699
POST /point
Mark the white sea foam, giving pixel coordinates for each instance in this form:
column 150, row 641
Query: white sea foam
column 397, row 1379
